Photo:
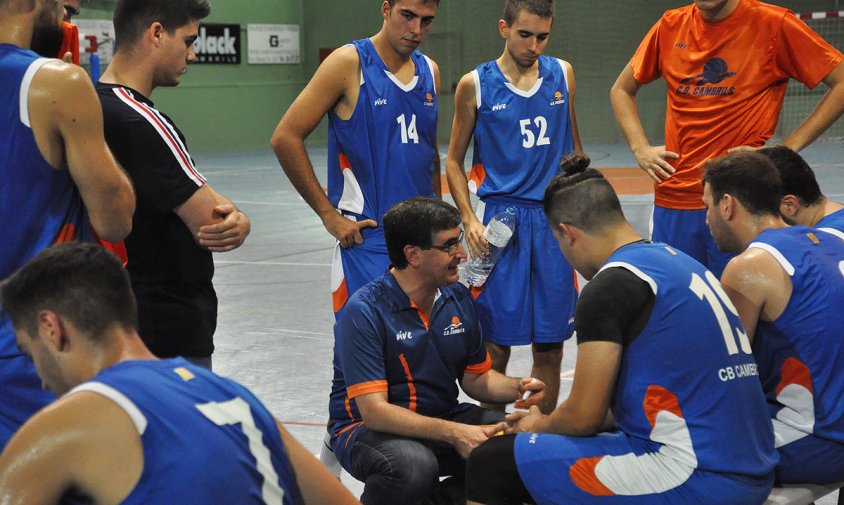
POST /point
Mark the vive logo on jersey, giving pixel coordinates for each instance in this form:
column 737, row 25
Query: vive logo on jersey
column 499, row 106
column 381, row 101
column 455, row 327
column 558, row 99
column 403, row 335
column 714, row 71
column 429, row 100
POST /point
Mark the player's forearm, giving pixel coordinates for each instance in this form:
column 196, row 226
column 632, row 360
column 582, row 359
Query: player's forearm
column 458, row 186
column 297, row 166
column 567, row 419
column 827, row 112
column 627, row 116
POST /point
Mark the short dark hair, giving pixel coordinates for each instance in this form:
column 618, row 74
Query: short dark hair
column 415, row 221
column 798, row 178
column 541, row 8
column 582, row 199
column 83, row 283
column 750, row 178
column 132, row 17
column 393, row 2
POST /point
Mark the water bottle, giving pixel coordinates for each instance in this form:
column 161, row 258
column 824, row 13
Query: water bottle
column 498, row 233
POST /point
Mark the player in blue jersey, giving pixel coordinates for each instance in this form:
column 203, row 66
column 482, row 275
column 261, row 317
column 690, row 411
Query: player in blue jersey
column 402, row 344
column 802, row 200
column 57, row 176
column 130, row 428
column 380, row 96
column 644, row 424
column 520, row 108
column 788, row 286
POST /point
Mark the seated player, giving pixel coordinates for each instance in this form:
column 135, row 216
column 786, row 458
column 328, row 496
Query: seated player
column 661, row 361
column 402, row 344
column 802, row 200
column 129, row 428
column 788, row 286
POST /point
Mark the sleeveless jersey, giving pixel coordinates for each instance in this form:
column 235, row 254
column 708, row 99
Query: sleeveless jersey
column 801, row 354
column 726, row 83
column 833, row 223
column 520, row 136
column 708, row 412
column 39, row 205
column 206, row 439
column 384, row 152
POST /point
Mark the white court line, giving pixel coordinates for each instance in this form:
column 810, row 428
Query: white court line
column 272, row 204
column 567, row 375
column 288, row 331
column 273, row 263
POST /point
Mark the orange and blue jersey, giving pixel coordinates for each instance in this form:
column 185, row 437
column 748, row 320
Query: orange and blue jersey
column 40, row 206
column 384, row 153
column 679, row 421
column 833, row 223
column 383, row 343
column 801, row 353
column 205, row 438
column 726, row 83
column 520, row 136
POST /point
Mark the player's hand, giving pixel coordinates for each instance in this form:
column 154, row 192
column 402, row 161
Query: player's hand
column 67, row 57
column 475, row 241
column 525, row 421
column 346, row 231
column 228, row 234
column 744, row 149
column 467, row 437
column 651, row 159
column 535, row 389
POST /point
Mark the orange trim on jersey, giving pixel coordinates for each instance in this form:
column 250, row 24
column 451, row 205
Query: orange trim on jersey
column 480, row 367
column 476, row 292
column 412, row 403
column 340, row 297
column 67, row 233
column 793, row 371
column 344, row 162
column 576, row 281
column 348, row 404
column 478, row 174
column 582, row 474
column 354, row 428
column 365, row 388
column 658, row 399
column 422, row 315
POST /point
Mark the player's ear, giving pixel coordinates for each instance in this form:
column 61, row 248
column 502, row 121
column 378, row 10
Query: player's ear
column 789, row 206
column 503, row 29
column 50, row 328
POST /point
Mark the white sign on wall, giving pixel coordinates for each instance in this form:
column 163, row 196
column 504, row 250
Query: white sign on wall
column 273, row 44
column 95, row 36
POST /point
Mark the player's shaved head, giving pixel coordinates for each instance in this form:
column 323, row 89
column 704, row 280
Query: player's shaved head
column 584, row 200
column 541, row 8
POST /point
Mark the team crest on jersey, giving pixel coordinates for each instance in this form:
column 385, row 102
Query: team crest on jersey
column 714, row 72
column 558, row 99
column 429, row 100
column 455, row 327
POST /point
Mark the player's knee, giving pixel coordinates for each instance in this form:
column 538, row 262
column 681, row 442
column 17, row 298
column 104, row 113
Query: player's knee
column 547, row 354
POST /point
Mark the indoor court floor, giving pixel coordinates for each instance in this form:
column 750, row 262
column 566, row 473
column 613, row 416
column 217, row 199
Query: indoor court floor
column 275, row 321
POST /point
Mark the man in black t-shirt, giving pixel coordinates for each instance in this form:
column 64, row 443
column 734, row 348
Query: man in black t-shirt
column 179, row 219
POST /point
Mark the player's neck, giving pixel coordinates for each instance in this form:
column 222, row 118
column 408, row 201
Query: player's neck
column 393, row 60
column 616, row 238
column 758, row 224
column 125, row 71
column 828, row 207
column 522, row 77
column 15, row 30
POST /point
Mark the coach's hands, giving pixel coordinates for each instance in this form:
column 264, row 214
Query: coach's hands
column 651, row 159
column 467, row 436
column 474, row 233
column 228, row 234
column 346, row 231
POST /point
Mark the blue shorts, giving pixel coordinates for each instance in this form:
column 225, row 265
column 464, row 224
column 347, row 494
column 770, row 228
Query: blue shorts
column 558, row 469
column 687, row 231
column 355, row 266
column 531, row 293
column 21, row 397
column 811, row 460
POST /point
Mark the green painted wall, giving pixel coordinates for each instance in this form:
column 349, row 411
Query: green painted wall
column 237, row 107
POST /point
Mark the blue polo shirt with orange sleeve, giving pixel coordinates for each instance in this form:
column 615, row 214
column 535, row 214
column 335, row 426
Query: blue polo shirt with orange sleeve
column 384, row 343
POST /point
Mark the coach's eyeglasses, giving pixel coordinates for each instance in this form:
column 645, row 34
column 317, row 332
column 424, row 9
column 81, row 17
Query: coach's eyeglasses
column 451, row 246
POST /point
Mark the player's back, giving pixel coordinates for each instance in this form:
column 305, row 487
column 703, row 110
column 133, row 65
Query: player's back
column 801, row 353
column 689, row 380
column 206, row 439
column 39, row 205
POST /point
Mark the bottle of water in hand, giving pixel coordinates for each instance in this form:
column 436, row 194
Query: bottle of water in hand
column 498, row 233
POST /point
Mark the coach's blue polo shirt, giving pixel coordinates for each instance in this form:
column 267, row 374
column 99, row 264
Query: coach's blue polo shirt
column 384, row 343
